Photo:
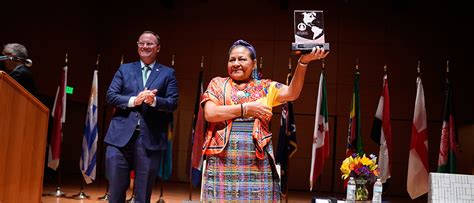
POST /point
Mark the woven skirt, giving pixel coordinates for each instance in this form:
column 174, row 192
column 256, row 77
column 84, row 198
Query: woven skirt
column 237, row 174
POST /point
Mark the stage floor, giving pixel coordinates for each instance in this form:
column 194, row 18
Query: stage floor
column 176, row 192
column 172, row 192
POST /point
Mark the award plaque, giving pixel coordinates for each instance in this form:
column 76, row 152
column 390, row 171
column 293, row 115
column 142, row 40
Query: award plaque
column 309, row 31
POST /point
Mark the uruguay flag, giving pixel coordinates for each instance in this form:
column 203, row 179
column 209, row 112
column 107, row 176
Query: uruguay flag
column 87, row 163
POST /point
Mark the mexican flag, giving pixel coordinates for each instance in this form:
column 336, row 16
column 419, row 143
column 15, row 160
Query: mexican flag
column 320, row 150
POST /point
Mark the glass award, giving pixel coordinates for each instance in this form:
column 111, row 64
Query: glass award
column 309, row 31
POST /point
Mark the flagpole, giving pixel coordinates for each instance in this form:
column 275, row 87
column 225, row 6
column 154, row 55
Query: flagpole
column 388, row 179
column 418, row 69
column 82, row 194
column 285, row 141
column 323, row 65
column 449, row 148
column 193, row 127
column 323, row 69
column 97, row 62
column 322, row 72
column 106, row 195
column 287, row 172
column 172, row 61
column 357, row 66
column 418, row 166
column 132, row 181
column 447, row 68
column 161, row 199
column 59, row 192
column 358, row 148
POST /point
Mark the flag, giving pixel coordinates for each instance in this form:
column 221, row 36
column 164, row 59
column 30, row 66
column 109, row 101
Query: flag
column 164, row 171
column 166, row 166
column 197, row 135
column 417, row 179
column 87, row 162
column 320, row 150
column 354, row 137
column 382, row 132
column 59, row 115
column 287, row 145
column 257, row 72
column 448, row 147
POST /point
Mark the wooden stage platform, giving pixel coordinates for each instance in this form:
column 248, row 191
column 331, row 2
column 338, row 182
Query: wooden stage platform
column 173, row 192
column 178, row 192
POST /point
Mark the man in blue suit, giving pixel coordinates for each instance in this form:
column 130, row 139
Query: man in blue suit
column 142, row 92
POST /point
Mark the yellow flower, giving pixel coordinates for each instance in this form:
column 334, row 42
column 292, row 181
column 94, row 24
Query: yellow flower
column 356, row 160
column 366, row 161
column 374, row 167
column 351, row 164
column 345, row 169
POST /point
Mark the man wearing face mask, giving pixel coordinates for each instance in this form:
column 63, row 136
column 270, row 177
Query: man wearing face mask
column 142, row 92
column 17, row 69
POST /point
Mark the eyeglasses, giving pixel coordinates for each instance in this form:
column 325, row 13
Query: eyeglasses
column 148, row 44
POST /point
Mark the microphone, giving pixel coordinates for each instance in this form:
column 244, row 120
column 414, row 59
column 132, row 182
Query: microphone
column 27, row 62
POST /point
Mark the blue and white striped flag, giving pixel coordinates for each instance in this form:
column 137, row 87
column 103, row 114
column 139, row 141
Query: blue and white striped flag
column 87, row 163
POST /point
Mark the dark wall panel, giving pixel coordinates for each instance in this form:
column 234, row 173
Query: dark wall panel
column 373, row 34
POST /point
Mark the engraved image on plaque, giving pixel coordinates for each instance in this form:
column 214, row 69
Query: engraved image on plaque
column 309, row 31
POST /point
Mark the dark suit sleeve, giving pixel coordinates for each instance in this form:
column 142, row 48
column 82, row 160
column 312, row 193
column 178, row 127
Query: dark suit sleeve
column 114, row 93
column 169, row 103
column 24, row 77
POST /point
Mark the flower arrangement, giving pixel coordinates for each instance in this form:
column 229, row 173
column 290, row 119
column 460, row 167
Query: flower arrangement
column 361, row 168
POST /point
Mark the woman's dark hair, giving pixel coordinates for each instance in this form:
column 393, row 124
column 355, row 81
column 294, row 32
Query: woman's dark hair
column 242, row 43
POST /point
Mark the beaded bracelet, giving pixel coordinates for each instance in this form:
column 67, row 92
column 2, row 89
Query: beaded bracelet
column 241, row 110
column 303, row 64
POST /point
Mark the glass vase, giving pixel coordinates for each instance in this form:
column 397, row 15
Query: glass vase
column 361, row 190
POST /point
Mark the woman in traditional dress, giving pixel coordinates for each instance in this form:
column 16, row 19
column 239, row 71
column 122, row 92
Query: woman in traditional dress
column 239, row 155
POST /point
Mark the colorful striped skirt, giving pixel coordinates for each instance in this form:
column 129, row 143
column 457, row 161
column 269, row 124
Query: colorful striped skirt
column 237, row 174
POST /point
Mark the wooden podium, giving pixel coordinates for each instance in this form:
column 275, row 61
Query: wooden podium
column 23, row 130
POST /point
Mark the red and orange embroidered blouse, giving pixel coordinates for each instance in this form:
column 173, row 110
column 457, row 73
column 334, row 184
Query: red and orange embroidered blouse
column 223, row 91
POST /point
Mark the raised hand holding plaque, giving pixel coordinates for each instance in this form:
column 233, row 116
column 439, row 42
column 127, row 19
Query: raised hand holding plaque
column 309, row 31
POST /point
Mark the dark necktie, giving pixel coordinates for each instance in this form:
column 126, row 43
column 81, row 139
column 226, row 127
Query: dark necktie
column 146, row 70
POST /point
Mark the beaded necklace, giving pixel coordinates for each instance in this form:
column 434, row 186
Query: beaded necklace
column 241, row 93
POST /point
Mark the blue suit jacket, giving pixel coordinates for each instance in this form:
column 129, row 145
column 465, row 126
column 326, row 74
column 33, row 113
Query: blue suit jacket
column 128, row 82
column 23, row 76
